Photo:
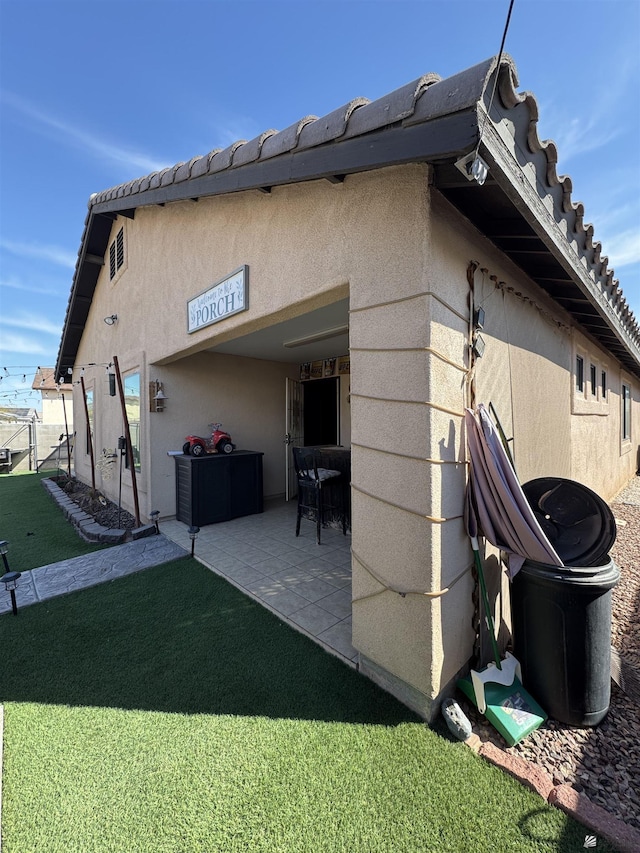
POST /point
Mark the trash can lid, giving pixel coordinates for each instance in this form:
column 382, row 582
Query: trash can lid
column 578, row 522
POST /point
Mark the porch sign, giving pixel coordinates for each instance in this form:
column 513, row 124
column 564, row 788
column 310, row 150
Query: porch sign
column 226, row 297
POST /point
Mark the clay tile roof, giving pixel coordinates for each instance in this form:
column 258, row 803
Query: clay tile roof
column 430, row 120
column 45, row 379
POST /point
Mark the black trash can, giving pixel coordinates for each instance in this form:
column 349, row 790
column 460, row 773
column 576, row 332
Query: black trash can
column 561, row 616
column 562, row 638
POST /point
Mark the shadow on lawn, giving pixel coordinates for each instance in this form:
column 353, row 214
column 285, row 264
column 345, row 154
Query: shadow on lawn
column 177, row 638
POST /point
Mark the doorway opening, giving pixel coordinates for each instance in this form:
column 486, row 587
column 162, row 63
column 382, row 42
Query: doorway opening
column 321, row 412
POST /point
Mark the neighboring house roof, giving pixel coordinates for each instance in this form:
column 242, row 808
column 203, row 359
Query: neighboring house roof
column 45, row 380
column 524, row 208
column 18, row 414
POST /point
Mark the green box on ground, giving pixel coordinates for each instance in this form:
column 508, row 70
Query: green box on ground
column 510, row 709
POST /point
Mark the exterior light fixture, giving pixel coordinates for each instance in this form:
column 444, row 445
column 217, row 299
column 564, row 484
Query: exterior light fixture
column 4, row 547
column 473, row 167
column 154, row 515
column 324, row 335
column 10, row 581
column 478, row 318
column 111, row 319
column 159, row 397
column 193, row 535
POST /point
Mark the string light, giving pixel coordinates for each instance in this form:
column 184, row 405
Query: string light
column 12, row 379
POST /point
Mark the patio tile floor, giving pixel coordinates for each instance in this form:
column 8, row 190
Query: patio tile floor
column 304, row 584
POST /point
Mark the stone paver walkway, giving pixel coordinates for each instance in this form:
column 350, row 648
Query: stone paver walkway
column 80, row 572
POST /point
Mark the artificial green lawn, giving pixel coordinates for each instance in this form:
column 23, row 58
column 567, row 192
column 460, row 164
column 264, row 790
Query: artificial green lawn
column 34, row 526
column 165, row 711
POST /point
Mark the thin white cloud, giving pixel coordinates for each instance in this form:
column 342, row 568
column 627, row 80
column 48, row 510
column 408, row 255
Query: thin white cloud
column 578, row 136
column 227, row 132
column 97, row 147
column 592, row 121
column 21, row 344
column 32, row 324
column 623, row 249
column 54, row 254
column 16, row 284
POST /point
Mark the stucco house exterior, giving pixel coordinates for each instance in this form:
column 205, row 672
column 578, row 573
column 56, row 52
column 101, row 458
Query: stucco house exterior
column 364, row 234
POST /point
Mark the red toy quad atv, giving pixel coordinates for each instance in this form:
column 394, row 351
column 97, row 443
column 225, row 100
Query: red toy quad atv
column 220, row 442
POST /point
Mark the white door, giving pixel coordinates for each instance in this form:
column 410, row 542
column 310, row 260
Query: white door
column 293, row 433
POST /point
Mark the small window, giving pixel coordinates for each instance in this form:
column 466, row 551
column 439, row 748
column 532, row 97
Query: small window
column 594, row 381
column 603, row 385
column 580, row 374
column 116, row 254
column 626, row 412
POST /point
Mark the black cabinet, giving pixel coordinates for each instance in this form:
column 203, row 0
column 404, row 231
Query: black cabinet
column 218, row 487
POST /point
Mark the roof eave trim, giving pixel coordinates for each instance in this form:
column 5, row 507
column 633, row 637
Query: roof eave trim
column 509, row 176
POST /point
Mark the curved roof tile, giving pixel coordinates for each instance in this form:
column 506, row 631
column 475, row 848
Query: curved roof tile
column 224, row 159
column 284, row 140
column 250, row 152
column 395, row 106
column 329, row 127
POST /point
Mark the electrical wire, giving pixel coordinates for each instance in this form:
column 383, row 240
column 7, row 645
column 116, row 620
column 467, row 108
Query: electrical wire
column 495, row 82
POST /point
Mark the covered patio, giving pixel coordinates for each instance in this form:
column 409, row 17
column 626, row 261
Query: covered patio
column 304, row 584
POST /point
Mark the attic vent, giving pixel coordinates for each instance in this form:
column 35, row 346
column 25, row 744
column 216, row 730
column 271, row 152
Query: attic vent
column 116, row 254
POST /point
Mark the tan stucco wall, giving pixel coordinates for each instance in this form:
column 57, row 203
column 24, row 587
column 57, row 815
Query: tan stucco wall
column 527, row 373
column 54, row 409
column 303, row 245
column 400, row 253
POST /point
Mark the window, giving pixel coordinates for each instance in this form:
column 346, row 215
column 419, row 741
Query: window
column 603, row 386
column 579, row 373
column 626, row 412
column 89, row 433
column 116, row 255
column 594, row 381
column 132, row 405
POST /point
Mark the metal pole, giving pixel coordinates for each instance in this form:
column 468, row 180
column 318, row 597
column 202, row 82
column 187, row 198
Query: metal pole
column 127, row 435
column 66, row 432
column 89, row 436
column 122, row 441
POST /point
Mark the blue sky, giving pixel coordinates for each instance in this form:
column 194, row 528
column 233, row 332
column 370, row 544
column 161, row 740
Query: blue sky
column 94, row 93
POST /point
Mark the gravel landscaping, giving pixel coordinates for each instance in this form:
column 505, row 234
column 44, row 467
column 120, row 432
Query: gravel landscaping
column 104, row 511
column 601, row 762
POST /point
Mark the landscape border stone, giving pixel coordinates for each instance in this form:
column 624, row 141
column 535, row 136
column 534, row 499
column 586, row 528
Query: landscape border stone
column 572, row 802
column 86, row 526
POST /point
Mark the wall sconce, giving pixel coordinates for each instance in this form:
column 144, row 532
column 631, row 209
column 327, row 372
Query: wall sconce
column 154, row 515
column 113, row 318
column 10, row 581
column 4, row 547
column 157, row 396
column 193, row 535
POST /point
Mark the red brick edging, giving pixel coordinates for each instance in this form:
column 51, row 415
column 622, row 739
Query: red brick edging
column 578, row 806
